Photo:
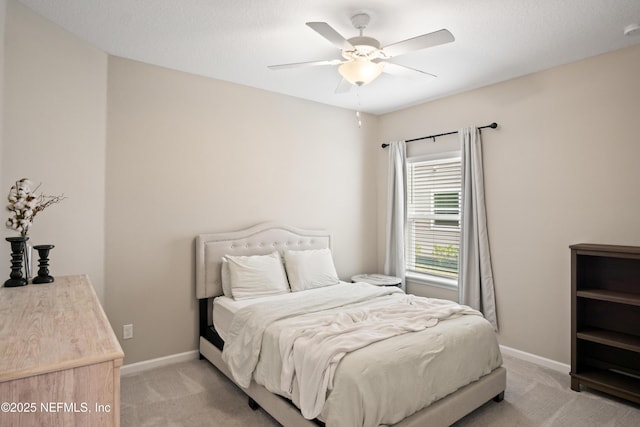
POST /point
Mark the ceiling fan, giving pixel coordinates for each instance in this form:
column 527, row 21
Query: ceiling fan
column 364, row 58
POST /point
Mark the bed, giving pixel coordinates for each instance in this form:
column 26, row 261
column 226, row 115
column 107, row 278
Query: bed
column 433, row 375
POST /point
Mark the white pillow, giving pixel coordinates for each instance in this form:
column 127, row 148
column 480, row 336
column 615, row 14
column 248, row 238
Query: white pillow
column 257, row 275
column 226, row 280
column 310, row 269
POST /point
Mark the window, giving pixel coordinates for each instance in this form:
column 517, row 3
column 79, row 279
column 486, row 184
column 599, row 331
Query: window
column 433, row 213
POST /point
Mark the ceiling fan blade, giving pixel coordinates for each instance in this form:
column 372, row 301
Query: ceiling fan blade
column 305, row 64
column 343, row 87
column 420, row 42
column 403, row 70
column 326, row 31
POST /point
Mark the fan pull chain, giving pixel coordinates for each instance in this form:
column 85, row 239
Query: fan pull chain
column 358, row 111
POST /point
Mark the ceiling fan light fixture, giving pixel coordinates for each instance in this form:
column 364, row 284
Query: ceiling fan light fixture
column 360, row 72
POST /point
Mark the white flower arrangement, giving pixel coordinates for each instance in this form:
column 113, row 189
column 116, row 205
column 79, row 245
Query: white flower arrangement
column 24, row 205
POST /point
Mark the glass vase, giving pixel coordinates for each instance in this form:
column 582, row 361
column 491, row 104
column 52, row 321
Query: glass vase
column 28, row 268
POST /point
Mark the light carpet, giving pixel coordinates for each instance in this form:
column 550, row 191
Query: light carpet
column 195, row 393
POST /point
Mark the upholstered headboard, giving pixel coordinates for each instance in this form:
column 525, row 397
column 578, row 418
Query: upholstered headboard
column 261, row 239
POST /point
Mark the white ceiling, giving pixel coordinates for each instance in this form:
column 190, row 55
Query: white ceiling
column 235, row 41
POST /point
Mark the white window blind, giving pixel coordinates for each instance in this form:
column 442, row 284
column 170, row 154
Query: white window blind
column 433, row 213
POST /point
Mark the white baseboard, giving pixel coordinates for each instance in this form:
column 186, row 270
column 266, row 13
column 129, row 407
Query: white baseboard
column 538, row 360
column 145, row 365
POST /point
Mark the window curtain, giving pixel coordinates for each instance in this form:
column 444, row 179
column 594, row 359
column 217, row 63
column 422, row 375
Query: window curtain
column 475, row 276
column 394, row 264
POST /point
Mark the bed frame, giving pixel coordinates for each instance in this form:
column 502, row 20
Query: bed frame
column 263, row 239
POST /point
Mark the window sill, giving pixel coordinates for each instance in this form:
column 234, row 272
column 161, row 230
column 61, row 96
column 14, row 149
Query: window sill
column 439, row 282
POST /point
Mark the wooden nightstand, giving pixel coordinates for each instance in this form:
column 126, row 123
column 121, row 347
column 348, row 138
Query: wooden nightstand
column 377, row 279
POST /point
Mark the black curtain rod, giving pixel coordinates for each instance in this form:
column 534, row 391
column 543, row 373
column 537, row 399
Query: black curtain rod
column 492, row 126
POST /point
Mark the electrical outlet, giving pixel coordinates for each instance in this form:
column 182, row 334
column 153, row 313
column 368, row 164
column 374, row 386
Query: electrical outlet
column 127, row 331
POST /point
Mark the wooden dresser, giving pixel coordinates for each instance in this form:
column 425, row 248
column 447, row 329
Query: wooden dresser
column 59, row 358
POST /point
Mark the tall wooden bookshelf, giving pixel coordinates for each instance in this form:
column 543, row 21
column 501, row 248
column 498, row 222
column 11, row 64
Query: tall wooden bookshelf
column 605, row 319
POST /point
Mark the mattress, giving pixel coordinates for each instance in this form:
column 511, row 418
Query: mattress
column 224, row 309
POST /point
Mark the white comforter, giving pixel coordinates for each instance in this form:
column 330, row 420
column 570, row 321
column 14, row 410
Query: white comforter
column 312, row 349
column 244, row 339
column 270, row 341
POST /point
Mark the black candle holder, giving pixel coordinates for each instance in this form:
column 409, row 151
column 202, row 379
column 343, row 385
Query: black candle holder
column 43, row 264
column 17, row 254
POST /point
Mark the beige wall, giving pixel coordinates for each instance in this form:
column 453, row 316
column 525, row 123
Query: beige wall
column 185, row 155
column 562, row 168
column 188, row 155
column 4, row 249
column 54, row 133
